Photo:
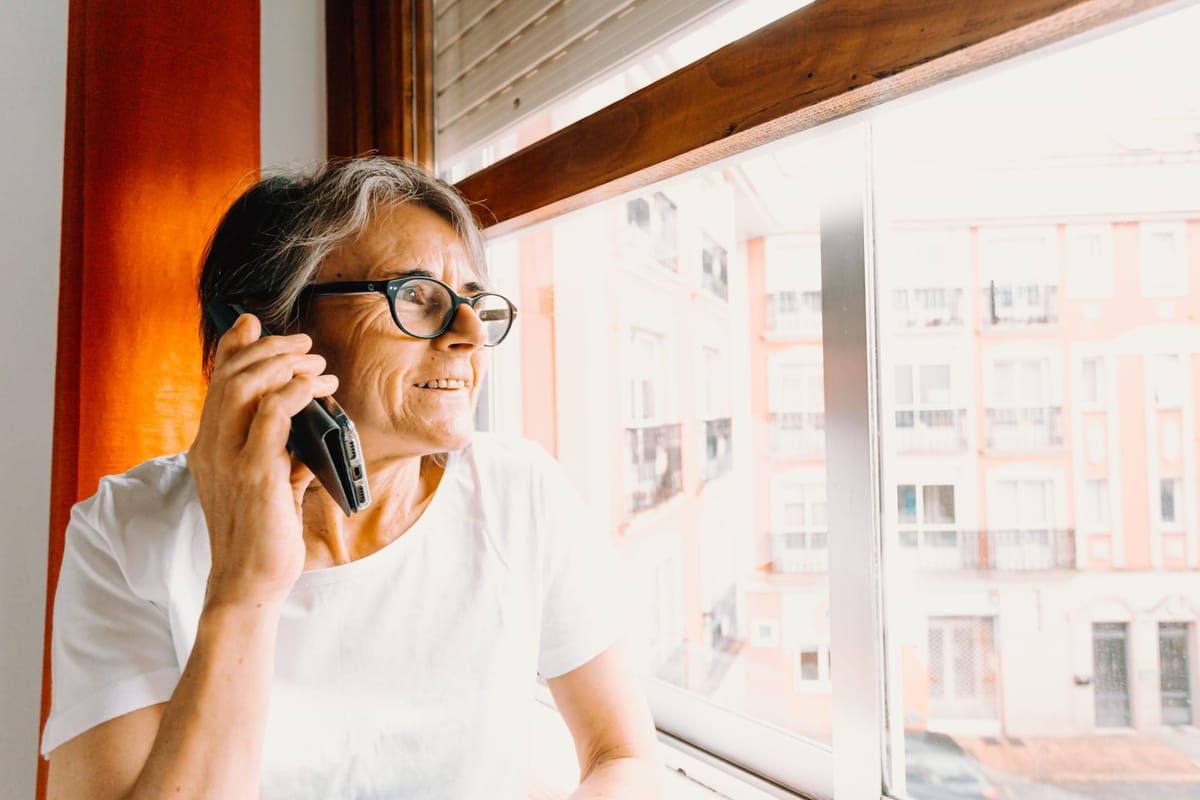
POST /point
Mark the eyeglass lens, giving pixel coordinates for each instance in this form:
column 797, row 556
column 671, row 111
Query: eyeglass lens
column 423, row 307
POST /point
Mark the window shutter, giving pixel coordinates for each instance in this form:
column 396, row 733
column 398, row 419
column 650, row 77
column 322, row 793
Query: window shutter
column 498, row 61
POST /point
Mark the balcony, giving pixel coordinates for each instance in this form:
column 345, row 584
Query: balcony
column 1030, row 428
column 996, row 550
column 928, row 308
column 652, row 472
column 1019, row 304
column 794, row 313
column 799, row 552
column 797, row 435
column 718, row 448
column 931, row 430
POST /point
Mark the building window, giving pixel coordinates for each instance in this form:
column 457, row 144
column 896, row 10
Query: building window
column 714, row 268
column 1170, row 498
column 1163, row 260
column 926, row 417
column 1021, row 412
column 931, row 269
column 1020, row 278
column 1023, row 534
column 797, row 406
column 1094, row 505
column 1090, row 262
column 652, row 221
column 764, row 633
column 1166, row 381
column 928, row 527
column 1093, row 387
column 800, row 538
column 793, row 284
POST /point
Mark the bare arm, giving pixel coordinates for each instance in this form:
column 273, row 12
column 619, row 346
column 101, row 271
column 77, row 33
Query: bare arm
column 207, row 741
column 603, row 707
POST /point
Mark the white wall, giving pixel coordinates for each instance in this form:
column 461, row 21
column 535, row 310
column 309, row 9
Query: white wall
column 293, row 82
column 33, row 55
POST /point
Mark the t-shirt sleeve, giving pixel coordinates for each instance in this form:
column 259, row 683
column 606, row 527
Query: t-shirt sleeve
column 582, row 607
column 111, row 649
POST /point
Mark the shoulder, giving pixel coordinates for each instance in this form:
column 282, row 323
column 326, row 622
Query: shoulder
column 140, row 517
column 509, row 460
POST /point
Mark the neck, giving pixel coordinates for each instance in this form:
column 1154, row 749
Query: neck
column 401, row 488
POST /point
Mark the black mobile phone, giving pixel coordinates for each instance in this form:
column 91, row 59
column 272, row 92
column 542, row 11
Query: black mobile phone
column 322, row 437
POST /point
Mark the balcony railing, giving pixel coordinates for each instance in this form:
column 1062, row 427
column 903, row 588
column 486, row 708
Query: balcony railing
column 931, row 429
column 1029, row 428
column 794, row 313
column 928, row 308
column 653, row 473
column 800, row 552
column 999, row 550
column 718, row 447
column 798, row 435
column 1020, row 304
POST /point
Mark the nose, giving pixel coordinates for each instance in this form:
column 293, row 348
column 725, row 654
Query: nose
column 465, row 331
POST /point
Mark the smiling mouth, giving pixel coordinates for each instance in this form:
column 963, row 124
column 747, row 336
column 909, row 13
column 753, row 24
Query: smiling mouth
column 443, row 384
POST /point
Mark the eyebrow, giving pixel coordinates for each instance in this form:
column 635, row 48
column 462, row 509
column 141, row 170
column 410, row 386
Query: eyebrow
column 473, row 287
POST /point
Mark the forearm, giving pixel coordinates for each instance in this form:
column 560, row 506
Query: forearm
column 210, row 739
column 619, row 778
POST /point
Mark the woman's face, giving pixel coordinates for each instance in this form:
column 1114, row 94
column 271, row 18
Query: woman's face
column 384, row 374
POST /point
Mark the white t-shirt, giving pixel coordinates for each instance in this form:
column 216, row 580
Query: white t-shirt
column 405, row 674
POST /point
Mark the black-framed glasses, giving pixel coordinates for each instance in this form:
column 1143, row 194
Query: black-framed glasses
column 424, row 307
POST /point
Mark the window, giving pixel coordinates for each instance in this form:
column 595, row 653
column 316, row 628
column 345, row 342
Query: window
column 1090, row 274
column 1164, row 270
column 974, row 160
column 1170, row 498
column 1166, row 381
column 801, row 539
column 714, row 268
column 928, row 278
column 926, row 417
column 797, row 405
column 1094, row 505
column 793, row 284
column 1090, row 261
column 1020, row 277
column 928, row 527
column 651, row 222
column 1093, row 388
column 1022, row 413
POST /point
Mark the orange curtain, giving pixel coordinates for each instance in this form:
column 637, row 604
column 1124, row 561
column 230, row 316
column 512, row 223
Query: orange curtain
column 162, row 122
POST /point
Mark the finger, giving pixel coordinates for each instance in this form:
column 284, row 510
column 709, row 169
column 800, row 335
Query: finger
column 272, row 421
column 241, row 352
column 243, row 392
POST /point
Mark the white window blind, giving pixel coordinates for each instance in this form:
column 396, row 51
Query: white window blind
column 498, row 61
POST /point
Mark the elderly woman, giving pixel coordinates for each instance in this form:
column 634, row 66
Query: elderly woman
column 224, row 630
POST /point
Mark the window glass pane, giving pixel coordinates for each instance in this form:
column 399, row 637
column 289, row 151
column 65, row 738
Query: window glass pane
column 1026, row 557
column 939, row 504
column 688, row 405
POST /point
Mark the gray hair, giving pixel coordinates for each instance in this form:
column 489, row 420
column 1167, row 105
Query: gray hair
column 273, row 239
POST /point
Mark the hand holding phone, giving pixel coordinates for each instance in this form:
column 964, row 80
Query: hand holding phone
column 322, row 436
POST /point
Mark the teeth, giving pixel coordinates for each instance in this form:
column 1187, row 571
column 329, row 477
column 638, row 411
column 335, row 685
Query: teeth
column 443, row 383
